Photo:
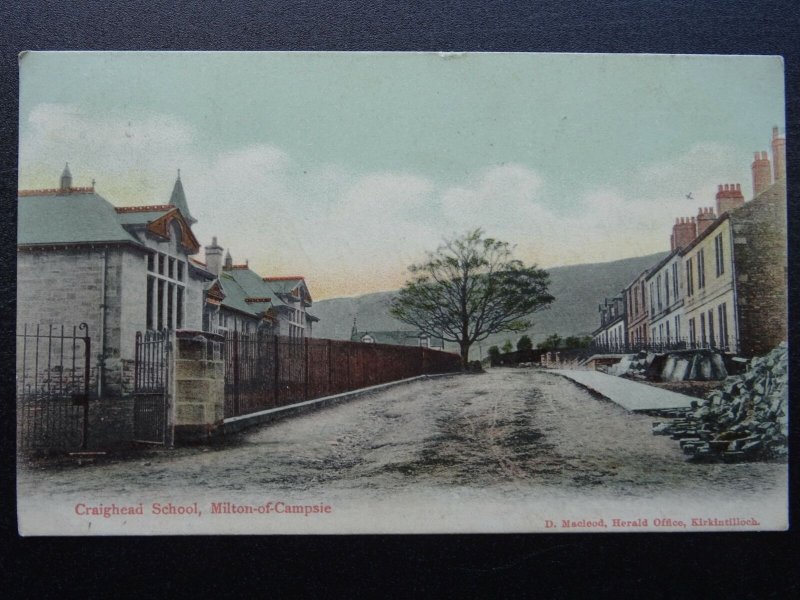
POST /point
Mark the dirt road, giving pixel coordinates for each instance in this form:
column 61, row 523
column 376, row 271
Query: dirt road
column 511, row 430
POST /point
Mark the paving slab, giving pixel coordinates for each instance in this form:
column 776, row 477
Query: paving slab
column 631, row 395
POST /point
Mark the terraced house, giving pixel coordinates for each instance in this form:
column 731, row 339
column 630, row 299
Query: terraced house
column 724, row 284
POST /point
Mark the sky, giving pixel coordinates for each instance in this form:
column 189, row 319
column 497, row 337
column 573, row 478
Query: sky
column 347, row 167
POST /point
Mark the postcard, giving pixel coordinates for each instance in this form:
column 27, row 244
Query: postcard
column 333, row 292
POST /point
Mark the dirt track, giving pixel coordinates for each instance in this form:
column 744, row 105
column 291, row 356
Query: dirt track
column 513, row 430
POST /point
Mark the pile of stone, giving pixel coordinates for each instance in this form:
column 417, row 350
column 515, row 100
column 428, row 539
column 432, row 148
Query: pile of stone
column 681, row 365
column 746, row 419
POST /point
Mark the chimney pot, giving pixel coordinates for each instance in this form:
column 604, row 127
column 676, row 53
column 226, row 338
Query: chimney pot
column 719, row 188
column 738, row 187
column 774, row 132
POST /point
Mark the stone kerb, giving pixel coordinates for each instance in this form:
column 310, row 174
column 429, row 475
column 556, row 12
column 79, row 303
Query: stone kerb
column 199, row 391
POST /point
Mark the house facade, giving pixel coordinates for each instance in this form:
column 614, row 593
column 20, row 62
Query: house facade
column 709, row 303
column 612, row 330
column 118, row 269
column 724, row 284
column 637, row 310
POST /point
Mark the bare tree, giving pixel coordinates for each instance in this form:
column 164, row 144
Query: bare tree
column 470, row 288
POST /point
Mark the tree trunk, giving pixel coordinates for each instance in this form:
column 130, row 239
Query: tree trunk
column 464, row 356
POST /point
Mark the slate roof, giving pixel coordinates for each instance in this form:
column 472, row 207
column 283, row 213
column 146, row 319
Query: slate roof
column 139, row 217
column 235, row 295
column 396, row 338
column 68, row 217
column 284, row 285
column 253, row 285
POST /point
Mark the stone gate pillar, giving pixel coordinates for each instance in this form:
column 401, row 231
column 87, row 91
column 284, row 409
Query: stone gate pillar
column 199, row 392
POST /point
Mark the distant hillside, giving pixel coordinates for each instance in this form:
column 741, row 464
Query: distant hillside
column 577, row 289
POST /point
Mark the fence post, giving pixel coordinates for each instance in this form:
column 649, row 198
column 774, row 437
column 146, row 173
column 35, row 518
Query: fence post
column 275, row 384
column 236, row 407
column 330, row 367
column 349, row 379
column 305, row 368
column 86, row 370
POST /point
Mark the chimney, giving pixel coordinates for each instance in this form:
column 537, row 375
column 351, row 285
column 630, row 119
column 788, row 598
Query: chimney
column 778, row 154
column 762, row 173
column 214, row 257
column 729, row 195
column 683, row 232
column 66, row 179
column 705, row 218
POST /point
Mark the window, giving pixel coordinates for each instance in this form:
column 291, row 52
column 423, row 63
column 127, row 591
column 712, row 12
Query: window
column 658, row 292
column 160, row 300
column 711, row 339
column 166, row 292
column 701, row 269
column 179, row 307
column 666, row 287
column 689, row 278
column 635, row 301
column 644, row 304
column 667, row 329
column 722, row 314
column 719, row 255
column 677, row 328
column 703, row 328
column 652, row 300
column 170, row 302
column 151, row 281
column 692, row 331
column 675, row 283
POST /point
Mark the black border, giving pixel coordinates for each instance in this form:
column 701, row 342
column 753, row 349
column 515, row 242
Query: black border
column 684, row 565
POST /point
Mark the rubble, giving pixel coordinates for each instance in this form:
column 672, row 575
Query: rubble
column 680, row 365
column 746, row 419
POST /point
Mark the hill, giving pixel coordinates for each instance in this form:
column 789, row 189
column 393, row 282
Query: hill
column 578, row 289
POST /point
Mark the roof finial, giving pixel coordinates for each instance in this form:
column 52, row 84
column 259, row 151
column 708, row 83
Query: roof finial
column 179, row 173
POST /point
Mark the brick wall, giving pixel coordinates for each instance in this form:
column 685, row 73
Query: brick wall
column 760, row 258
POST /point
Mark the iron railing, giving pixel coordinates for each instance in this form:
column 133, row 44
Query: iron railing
column 54, row 379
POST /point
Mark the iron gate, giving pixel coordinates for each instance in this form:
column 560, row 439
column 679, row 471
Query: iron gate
column 151, row 387
column 53, row 383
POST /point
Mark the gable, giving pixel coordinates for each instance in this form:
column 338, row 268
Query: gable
column 162, row 227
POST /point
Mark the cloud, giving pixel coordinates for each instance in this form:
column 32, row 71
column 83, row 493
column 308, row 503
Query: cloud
column 352, row 232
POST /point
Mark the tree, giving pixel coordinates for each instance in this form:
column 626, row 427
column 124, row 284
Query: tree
column 524, row 344
column 494, row 355
column 469, row 288
column 552, row 342
column 507, row 347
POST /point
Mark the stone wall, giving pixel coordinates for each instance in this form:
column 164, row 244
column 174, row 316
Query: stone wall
column 199, row 386
column 65, row 286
